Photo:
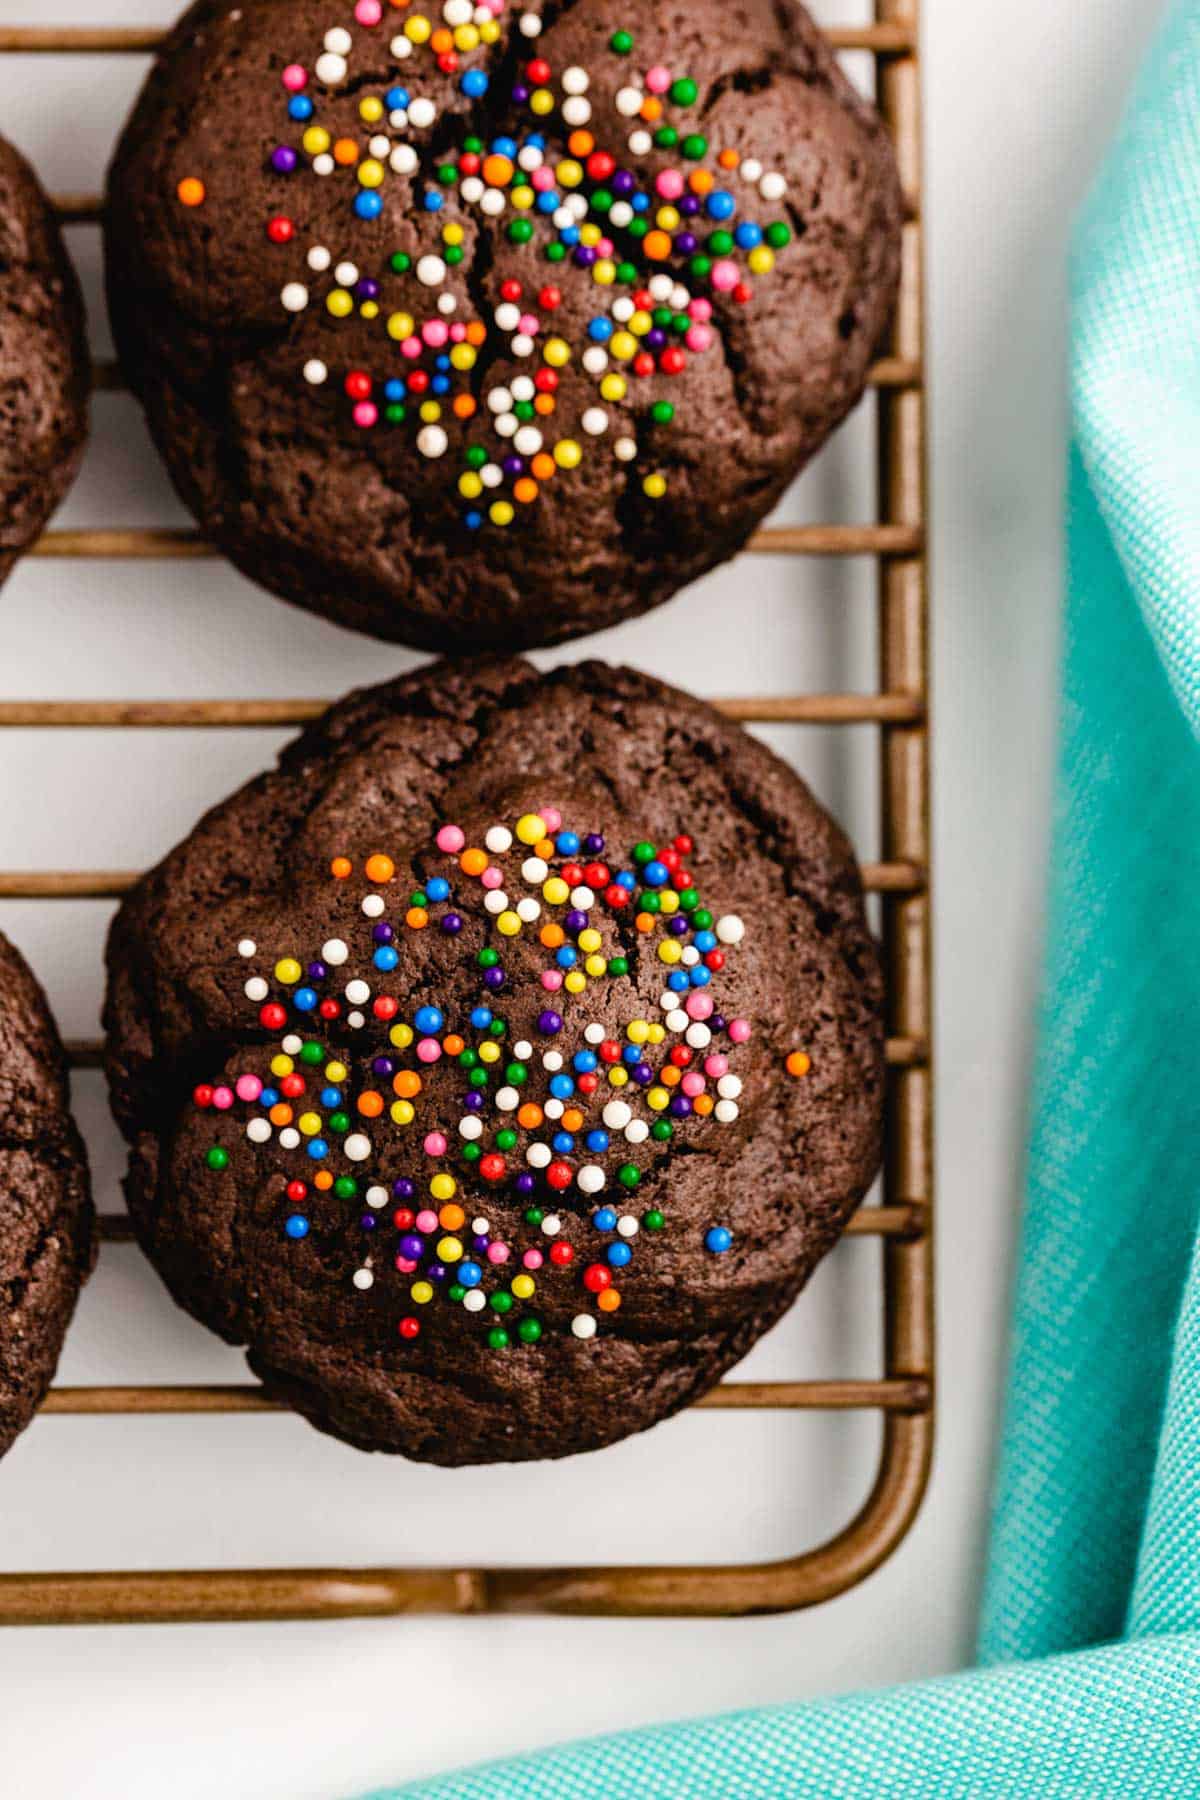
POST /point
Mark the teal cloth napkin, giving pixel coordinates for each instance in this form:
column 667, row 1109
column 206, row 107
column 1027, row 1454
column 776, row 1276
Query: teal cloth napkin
column 1089, row 1675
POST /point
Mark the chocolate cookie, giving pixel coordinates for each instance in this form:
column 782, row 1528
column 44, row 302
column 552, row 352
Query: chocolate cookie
column 45, row 375
column 500, row 1066
column 480, row 329
column 46, row 1220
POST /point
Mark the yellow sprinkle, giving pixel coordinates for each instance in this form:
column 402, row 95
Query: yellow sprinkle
column 422, row 1292
column 567, row 453
column 614, row 387
column 370, row 173
column 401, row 1036
column 524, row 1286
column 654, row 487
column 508, row 924
column 449, row 1250
column 442, row 1187
column 556, row 352
column 637, row 1031
column 555, row 891
column 288, row 970
column 590, row 939
column 309, row 1123
column 623, row 345
column 336, row 1071
column 452, row 234
column 657, row 1099
column 668, row 901
column 466, row 37
column 541, row 101
column 657, row 1033
column 617, row 1077
column 339, row 303
column 761, row 260
column 470, row 486
column 604, row 271
column 282, row 1065
column 400, row 326
column 531, row 828
column 431, row 412
column 640, row 323
column 574, row 981
column 590, row 235
column 569, row 172
column 316, row 140
column 500, row 512
column 522, row 198
column 666, row 218
column 370, row 109
column 489, row 1053
column 596, row 966
column 402, row 1112
column 462, row 356
column 369, row 309
column 669, row 951
column 417, row 28
column 489, row 31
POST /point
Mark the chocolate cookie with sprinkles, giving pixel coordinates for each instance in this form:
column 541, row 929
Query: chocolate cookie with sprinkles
column 499, row 1067
column 479, row 327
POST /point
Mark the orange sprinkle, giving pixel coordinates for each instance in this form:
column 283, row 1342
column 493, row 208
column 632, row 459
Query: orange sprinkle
column 476, row 332
column 544, row 404
column 553, row 936
column 581, row 143
column 453, row 1045
column 529, row 1116
column 370, row 1105
column 380, row 868
column 701, row 181
column 670, row 1076
column 798, row 1063
column 657, row 245
column 473, row 862
column 407, row 1084
column 525, row 490
column 543, row 467
column 728, row 159
column 645, row 921
column 323, row 1180
column 416, row 916
column 345, row 151
column 651, row 108
column 572, row 1119
column 191, row 191
column 451, row 1216
column 341, row 867
column 609, row 1300
column 464, row 406
column 702, row 1104
column 441, row 42
column 280, row 1114
column 497, row 171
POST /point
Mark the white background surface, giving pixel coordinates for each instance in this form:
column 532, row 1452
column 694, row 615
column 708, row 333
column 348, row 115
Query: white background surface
column 1020, row 100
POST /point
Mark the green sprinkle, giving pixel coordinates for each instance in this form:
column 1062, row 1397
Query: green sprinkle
column 471, row 1153
column 345, row 1187
column 312, row 1052
column 401, row 262
column 695, row 146
column 217, row 1158
column 688, row 899
column 638, row 228
column 497, row 1028
column 524, row 409
column 476, row 456
column 601, row 200
column 516, row 1074
column 644, row 852
column 488, row 958
column 662, row 412
column 778, row 235
column 621, row 42
column 534, row 1215
column 666, row 137
column 419, row 898
column 618, row 965
column 478, row 1078
column 497, row 1338
column 700, row 266
column 629, row 1175
column 555, row 252
column 662, row 316
column 702, row 918
column 395, row 414
column 453, row 254
column 500, row 1302
column 721, row 243
column 653, row 1221
column 520, row 231
column 627, row 273
column 456, row 1292
column 473, row 144
column 339, row 1121
column 506, row 1139
column 529, row 1330
column 663, row 1130
column 649, row 902
column 447, row 174
column 683, row 91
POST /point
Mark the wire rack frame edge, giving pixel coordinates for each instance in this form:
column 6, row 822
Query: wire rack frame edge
column 904, row 1394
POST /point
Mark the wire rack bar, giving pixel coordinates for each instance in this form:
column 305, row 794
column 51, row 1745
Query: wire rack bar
column 903, row 1393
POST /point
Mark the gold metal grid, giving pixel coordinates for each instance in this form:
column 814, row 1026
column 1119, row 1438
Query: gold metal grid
column 899, row 710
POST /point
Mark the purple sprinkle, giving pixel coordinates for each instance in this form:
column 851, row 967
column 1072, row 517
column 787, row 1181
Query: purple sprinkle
column 593, row 843
column 367, row 289
column 493, row 978
column 474, row 1102
column 576, row 920
column 383, row 1065
column 367, row 1221
column 283, row 159
column 686, row 243
column 584, row 255
column 412, row 1246
column 525, row 1182
column 437, row 1271
column 643, row 1074
column 452, row 922
column 623, row 182
column 520, row 93
column 681, row 1106
column 678, row 924
column 717, row 1022
column 480, row 1242
column 383, row 933
column 549, row 1022
column 689, row 205
column 317, row 971
column 403, row 1189
column 656, row 338
column 513, row 465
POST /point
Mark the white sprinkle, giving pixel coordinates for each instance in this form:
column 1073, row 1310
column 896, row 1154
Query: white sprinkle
column 729, row 1087
column 357, row 1146
column 772, row 187
column 678, row 1019
column 637, row 1131
column 330, row 69
column 583, row 1325
column 625, row 449
column 247, row 947
column 552, row 1061
column 431, row 271
column 751, row 169
column 521, row 344
column 498, row 840
column 575, row 80
column 338, row 39
column 469, row 1127
column 726, row 1111
column 627, row 1225
column 447, row 303
column 295, row 296
column 621, row 213
column 472, row 190
column 623, row 309
column 577, row 110
column 492, row 202
column 292, row 1044
column 495, row 900
column 457, row 12
column 289, row 1138
column 508, row 1099
column 595, row 421
column 508, row 316
column 699, row 1036
column 506, row 424
column 530, row 158
column 554, row 1109
column 323, row 164
column 377, row 1196
column 256, row 988
column 363, row 1279
column 617, row 1115
column 522, row 388
column 577, row 206
column 689, row 956
column 499, row 400
column 640, row 143
column 474, row 1300
column 355, row 1021
column 628, row 102
column 551, row 1224
column 421, row 112
column 403, row 159
column 379, row 146
column 562, row 217
column 398, row 118
column 357, row 993
column 528, row 440
column 594, row 1034
column 491, row 475
column 660, row 286
column 538, row 1156
column 591, row 1178
column 582, row 898
column 595, row 359
column 731, row 929
column 522, row 1050
column 531, row 25
column 534, row 870
column 335, row 952
column 258, row 1131
column 373, row 906
column 432, row 441
column 401, row 46
column 346, row 274
column 319, row 258
column 315, row 372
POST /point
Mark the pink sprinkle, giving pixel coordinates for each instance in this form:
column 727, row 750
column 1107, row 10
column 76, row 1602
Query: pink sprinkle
column 604, row 247
column 739, row 1031
column 698, row 1006
column 366, row 414
column 450, row 839
column 222, row 1098
column 699, row 338
column 294, row 78
column 435, row 1145
column 405, row 1265
column 700, row 309
column 458, row 332
column 658, row 79
column 669, row 183
column 724, row 276
column 249, row 1087
column 411, row 347
column 426, row 1219
column 550, row 817
column 429, row 1051
column 497, row 1253
column 552, row 980
column 716, row 1066
column 491, row 877
column 692, row 1084
column 530, row 325
column 542, row 179
column 532, row 1259
column 368, row 12
column 435, row 332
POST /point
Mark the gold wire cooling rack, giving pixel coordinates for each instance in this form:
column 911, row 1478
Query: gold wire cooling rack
column 902, row 1220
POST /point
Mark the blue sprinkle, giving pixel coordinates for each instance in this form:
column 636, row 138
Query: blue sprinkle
column 396, row 99
column 656, row 874
column 386, row 958
column 748, row 235
column 473, row 520
column 705, row 941
column 596, row 1141
column 627, row 880
column 474, row 84
column 678, row 982
column 368, row 204
column 720, row 205
column 317, row 1148
column 428, row 1019
column 440, row 384
column 434, row 201
column 584, row 1061
column 566, row 958
column 619, row 1254
column 300, row 107
column 269, row 1098
column 600, row 330
column 699, row 976
column 562, row 1143
column 547, row 201
column 331, row 1096
column 470, row 1274
column 640, row 203
column 481, row 1018
column 632, row 1053
column 605, row 1219
column 505, row 146
column 569, row 234
column 297, row 1226
column 562, row 1087
column 439, row 889
column 567, row 843
column 395, row 390
column 441, row 362
column 304, row 999
column 717, row 1239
